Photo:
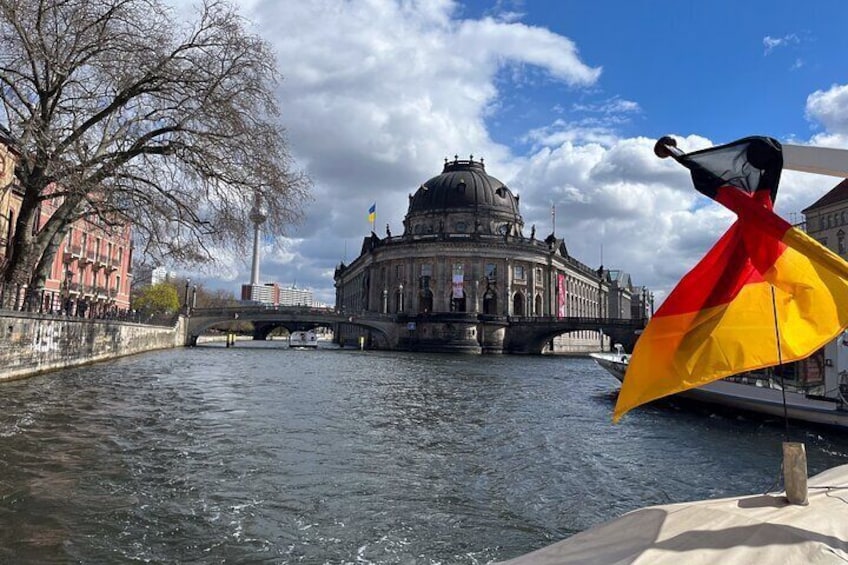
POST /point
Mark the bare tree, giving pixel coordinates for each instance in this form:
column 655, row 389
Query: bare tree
column 121, row 114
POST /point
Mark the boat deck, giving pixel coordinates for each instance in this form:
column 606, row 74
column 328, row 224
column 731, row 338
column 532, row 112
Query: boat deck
column 730, row 531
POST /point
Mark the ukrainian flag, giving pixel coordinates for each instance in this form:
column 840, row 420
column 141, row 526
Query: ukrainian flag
column 372, row 213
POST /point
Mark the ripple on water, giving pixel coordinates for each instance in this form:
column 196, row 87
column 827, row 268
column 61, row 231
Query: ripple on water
column 261, row 454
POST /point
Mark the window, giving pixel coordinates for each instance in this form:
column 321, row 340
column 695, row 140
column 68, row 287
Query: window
column 518, row 304
column 425, row 301
column 490, row 302
column 399, row 272
column 491, row 272
column 840, row 241
column 426, row 270
column 518, row 272
column 461, row 227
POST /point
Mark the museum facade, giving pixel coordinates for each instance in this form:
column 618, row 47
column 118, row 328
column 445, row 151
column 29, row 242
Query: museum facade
column 464, row 262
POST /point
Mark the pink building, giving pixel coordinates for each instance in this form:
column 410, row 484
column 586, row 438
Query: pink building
column 92, row 271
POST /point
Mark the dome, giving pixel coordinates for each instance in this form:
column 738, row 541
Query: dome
column 463, row 198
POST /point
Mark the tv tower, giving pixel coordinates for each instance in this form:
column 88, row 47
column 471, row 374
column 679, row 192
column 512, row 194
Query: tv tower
column 258, row 217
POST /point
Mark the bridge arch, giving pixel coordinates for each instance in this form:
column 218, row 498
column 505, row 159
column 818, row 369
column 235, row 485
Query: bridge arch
column 530, row 335
column 295, row 318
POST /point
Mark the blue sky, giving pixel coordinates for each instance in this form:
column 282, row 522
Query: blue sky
column 564, row 100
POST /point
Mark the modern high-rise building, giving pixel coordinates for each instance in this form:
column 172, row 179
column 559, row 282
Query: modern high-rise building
column 293, row 296
column 274, row 294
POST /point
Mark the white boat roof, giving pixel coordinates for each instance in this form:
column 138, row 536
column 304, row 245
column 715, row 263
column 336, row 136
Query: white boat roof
column 729, row 531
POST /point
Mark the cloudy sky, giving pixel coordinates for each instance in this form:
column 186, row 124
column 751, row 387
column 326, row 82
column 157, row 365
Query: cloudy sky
column 564, row 101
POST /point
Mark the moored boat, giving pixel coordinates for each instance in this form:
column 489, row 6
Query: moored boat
column 758, row 393
column 303, row 340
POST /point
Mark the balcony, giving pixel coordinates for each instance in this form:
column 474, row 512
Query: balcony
column 72, row 253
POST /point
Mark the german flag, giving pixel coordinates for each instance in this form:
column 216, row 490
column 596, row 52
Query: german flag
column 765, row 294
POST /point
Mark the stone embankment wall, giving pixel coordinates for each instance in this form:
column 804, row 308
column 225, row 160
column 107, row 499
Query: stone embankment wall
column 31, row 344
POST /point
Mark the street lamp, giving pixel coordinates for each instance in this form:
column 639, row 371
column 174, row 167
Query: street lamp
column 69, row 275
column 185, row 297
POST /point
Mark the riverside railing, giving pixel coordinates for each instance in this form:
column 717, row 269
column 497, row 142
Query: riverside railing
column 19, row 298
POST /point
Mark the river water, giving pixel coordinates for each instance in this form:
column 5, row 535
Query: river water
column 260, row 454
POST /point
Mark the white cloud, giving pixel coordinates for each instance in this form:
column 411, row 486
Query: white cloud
column 376, row 93
column 830, row 108
column 622, row 198
column 772, row 43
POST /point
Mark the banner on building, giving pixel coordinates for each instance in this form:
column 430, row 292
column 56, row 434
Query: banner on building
column 560, row 295
column 457, row 292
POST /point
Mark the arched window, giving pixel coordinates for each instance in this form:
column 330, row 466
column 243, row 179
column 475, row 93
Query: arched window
column 518, row 304
column 490, row 302
column 537, row 305
column 425, row 301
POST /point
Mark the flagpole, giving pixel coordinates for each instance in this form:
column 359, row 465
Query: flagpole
column 553, row 219
column 780, row 363
column 819, row 160
column 667, row 147
column 794, row 455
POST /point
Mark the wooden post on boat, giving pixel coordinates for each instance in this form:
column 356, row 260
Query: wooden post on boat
column 795, row 472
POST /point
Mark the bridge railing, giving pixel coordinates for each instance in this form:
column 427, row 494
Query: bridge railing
column 254, row 309
column 579, row 320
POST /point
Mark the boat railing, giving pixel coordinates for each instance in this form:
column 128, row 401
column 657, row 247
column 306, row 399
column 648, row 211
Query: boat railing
column 766, row 380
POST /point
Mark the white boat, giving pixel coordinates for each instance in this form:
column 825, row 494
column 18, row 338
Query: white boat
column 303, row 340
column 757, row 394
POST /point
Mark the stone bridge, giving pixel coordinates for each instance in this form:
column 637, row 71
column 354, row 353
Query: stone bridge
column 529, row 335
column 293, row 318
column 522, row 335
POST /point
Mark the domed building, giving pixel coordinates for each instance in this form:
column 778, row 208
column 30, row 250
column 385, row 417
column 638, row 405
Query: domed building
column 464, row 269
